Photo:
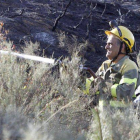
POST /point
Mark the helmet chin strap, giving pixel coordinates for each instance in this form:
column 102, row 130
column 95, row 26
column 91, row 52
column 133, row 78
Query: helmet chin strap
column 118, row 53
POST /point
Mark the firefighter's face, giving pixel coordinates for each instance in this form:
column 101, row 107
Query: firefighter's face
column 112, row 47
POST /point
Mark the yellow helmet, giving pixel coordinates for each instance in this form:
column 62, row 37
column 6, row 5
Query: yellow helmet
column 124, row 34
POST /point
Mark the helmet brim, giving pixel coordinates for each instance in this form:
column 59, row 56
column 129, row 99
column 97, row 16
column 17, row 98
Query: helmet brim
column 110, row 33
column 107, row 32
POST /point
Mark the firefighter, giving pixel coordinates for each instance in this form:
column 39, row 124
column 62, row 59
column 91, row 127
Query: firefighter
column 119, row 69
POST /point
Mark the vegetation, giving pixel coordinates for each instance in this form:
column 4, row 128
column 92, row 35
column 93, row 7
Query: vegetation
column 43, row 102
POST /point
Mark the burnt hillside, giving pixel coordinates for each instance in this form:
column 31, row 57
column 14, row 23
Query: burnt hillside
column 46, row 21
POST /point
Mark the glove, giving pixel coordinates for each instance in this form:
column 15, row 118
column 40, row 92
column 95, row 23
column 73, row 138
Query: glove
column 103, row 86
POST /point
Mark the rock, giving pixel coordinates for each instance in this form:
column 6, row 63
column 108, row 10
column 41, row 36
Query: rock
column 45, row 37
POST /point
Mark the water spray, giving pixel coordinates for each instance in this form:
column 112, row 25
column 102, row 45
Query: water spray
column 30, row 57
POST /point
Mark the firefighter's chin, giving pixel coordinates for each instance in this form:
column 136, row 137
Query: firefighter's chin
column 108, row 55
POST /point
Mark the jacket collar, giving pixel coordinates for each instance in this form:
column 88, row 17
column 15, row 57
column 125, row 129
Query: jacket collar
column 118, row 65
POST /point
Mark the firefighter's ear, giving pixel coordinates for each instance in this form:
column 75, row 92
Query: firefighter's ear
column 123, row 48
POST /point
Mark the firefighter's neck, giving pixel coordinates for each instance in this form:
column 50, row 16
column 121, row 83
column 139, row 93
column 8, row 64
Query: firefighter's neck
column 119, row 58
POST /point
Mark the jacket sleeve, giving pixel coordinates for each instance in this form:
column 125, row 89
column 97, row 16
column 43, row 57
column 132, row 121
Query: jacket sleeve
column 126, row 87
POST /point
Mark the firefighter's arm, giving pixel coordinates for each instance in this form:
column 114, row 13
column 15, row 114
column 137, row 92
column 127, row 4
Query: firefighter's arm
column 88, row 85
column 126, row 87
column 89, row 80
column 94, row 76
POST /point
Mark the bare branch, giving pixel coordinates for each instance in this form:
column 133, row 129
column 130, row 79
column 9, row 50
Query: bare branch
column 60, row 16
column 87, row 33
column 3, row 12
column 95, row 6
column 104, row 10
column 85, row 16
column 78, row 23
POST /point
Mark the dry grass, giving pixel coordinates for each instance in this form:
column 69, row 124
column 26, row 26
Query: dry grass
column 45, row 103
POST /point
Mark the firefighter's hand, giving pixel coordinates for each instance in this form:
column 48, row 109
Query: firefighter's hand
column 98, row 84
column 101, row 85
column 98, row 80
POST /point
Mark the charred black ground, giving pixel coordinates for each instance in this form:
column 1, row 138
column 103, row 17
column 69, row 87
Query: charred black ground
column 43, row 21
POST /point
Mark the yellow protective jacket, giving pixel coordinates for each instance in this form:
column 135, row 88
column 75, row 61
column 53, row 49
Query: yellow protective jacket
column 123, row 75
